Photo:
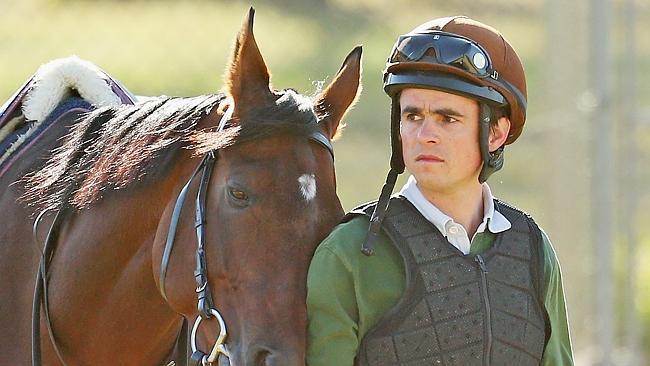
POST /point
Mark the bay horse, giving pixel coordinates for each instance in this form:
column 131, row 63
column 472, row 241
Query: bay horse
column 125, row 270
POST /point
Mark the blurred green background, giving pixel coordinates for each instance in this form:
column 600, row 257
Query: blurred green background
column 180, row 48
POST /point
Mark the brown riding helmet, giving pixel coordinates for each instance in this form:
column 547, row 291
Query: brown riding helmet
column 461, row 56
column 455, row 55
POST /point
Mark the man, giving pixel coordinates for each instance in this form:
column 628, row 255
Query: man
column 445, row 274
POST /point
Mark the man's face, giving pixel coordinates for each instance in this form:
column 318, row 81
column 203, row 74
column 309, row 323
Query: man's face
column 440, row 139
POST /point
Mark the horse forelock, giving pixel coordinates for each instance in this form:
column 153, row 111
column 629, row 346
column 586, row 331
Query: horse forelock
column 112, row 147
column 290, row 114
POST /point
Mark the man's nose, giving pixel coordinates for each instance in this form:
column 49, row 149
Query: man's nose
column 429, row 131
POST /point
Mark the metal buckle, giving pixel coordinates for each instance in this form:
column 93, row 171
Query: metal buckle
column 219, row 346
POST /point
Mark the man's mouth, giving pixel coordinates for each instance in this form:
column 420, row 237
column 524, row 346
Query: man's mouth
column 429, row 158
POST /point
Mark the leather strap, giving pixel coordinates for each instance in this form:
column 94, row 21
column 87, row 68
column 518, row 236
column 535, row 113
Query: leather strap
column 40, row 295
column 201, row 272
column 173, row 223
column 181, row 345
column 323, row 141
column 368, row 246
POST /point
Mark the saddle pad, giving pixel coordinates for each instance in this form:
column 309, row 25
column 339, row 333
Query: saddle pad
column 12, row 146
column 57, row 87
column 54, row 81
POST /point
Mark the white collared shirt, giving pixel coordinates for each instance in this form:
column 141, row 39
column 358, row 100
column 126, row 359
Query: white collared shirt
column 454, row 232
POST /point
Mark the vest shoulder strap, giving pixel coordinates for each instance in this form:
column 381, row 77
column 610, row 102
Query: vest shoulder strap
column 364, row 209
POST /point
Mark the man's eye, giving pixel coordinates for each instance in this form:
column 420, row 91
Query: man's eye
column 449, row 119
column 412, row 117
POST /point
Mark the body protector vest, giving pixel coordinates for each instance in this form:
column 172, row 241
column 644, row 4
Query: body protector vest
column 458, row 309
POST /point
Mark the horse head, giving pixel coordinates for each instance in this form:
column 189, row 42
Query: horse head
column 269, row 202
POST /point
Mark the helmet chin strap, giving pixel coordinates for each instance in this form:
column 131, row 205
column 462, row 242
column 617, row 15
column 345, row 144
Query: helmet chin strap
column 396, row 168
column 492, row 161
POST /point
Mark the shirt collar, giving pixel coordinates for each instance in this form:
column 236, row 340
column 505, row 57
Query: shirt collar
column 496, row 222
column 493, row 219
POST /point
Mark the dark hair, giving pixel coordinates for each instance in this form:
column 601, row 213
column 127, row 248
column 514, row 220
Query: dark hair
column 498, row 112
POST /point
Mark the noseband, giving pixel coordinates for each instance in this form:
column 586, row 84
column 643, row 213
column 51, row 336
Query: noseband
column 205, row 304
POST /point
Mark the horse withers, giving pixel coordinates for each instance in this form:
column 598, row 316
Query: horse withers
column 127, row 257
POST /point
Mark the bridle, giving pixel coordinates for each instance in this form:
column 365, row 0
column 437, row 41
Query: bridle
column 205, row 303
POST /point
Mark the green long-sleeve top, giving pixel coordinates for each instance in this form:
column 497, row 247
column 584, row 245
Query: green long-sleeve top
column 348, row 292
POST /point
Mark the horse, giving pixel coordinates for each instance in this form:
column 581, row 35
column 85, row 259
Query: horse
column 98, row 221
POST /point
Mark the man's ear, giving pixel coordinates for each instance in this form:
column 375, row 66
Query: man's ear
column 499, row 133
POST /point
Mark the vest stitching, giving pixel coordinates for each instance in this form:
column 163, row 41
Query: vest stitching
column 520, row 318
column 520, row 259
column 451, row 287
column 435, row 331
column 437, row 322
column 522, row 289
column 442, row 353
column 518, row 347
column 449, row 351
column 448, row 319
column 438, row 259
column 397, row 358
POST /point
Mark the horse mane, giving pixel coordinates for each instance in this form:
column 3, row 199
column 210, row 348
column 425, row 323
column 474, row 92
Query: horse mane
column 113, row 147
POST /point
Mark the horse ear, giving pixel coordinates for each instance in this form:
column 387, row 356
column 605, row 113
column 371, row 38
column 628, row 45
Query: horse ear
column 333, row 103
column 246, row 77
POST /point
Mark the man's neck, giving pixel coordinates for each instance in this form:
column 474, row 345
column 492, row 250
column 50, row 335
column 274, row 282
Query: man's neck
column 464, row 206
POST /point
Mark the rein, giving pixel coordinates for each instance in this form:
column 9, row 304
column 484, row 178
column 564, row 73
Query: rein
column 40, row 292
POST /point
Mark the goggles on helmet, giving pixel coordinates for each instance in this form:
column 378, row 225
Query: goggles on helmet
column 439, row 47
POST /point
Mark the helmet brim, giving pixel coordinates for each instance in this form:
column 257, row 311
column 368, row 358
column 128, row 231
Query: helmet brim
column 395, row 83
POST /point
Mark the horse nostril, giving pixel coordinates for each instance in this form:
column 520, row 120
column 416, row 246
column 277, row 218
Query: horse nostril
column 262, row 358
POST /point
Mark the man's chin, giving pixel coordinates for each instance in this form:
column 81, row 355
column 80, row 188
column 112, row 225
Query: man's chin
column 437, row 184
column 428, row 184
column 433, row 173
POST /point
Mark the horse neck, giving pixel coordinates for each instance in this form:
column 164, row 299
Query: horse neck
column 119, row 296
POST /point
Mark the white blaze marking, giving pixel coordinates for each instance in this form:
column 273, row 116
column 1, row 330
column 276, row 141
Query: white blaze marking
column 307, row 183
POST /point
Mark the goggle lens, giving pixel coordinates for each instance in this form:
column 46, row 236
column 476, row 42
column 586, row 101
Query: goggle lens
column 442, row 48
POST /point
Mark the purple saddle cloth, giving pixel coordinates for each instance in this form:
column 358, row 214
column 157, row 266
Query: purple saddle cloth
column 12, row 109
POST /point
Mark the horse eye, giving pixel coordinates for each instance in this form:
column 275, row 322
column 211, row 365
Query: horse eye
column 237, row 194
